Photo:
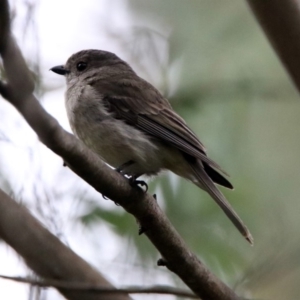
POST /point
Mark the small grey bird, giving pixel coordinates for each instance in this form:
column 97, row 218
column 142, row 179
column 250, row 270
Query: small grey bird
column 133, row 128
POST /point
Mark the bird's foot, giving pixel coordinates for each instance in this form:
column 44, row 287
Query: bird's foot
column 133, row 181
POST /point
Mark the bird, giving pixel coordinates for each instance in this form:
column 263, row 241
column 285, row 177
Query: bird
column 130, row 125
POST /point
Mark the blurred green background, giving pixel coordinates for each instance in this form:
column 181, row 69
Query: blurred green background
column 212, row 61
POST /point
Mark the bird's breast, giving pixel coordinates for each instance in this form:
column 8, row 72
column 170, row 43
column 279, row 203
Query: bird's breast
column 113, row 140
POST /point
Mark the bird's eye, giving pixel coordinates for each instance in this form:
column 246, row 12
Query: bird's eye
column 81, row 66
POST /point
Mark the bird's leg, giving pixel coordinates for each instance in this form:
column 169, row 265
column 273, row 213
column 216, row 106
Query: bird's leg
column 133, row 179
column 125, row 165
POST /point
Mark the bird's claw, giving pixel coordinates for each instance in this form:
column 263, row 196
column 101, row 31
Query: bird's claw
column 133, row 181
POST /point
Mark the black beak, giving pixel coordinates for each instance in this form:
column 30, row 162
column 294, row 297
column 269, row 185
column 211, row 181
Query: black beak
column 59, row 70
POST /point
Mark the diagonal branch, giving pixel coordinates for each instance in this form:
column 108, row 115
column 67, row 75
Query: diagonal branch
column 86, row 164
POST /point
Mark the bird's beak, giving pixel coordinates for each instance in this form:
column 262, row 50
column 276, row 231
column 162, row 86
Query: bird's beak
column 60, row 70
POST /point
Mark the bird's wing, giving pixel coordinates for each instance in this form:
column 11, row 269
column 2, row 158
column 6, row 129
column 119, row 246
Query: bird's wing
column 160, row 121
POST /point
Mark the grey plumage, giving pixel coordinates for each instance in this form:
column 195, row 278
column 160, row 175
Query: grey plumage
column 124, row 118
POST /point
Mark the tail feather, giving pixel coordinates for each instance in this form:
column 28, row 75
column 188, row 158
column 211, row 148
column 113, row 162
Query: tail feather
column 216, row 177
column 206, row 183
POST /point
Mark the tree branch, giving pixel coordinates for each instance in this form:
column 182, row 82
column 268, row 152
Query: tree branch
column 46, row 254
column 90, row 168
column 281, row 22
column 79, row 286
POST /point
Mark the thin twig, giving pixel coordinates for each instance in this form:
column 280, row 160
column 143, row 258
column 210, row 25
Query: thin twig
column 157, row 289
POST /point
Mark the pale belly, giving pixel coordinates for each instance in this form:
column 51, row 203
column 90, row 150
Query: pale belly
column 118, row 143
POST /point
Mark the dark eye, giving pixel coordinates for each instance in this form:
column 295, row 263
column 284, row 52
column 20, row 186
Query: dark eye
column 81, row 66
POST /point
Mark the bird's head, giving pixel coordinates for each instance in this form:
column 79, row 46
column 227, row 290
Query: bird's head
column 88, row 63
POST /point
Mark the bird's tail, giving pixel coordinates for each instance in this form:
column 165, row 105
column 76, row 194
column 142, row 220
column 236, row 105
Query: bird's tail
column 204, row 181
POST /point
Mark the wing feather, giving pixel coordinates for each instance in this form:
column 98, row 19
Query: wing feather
column 164, row 124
